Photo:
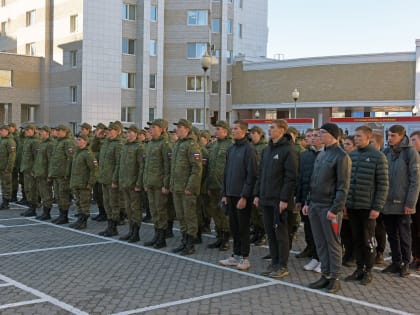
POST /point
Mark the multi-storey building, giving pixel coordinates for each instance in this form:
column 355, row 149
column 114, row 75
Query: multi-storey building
column 129, row 60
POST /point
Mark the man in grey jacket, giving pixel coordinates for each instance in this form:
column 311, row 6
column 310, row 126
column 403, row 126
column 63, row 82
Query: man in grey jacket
column 328, row 193
column 404, row 179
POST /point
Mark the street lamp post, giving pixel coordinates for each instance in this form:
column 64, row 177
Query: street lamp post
column 295, row 96
column 205, row 65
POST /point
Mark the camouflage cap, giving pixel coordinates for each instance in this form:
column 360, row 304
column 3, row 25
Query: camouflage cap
column 83, row 136
column 222, row 123
column 114, row 126
column 142, row 131
column 162, row 123
column 293, row 130
column 119, row 123
column 205, row 134
column 99, row 126
column 195, row 131
column 132, row 128
column 62, row 127
column 86, row 126
column 12, row 125
column 257, row 129
column 45, row 128
column 184, row 122
column 4, row 127
column 30, row 126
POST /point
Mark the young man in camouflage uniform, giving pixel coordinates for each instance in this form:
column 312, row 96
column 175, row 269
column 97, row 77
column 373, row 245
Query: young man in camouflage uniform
column 7, row 162
column 108, row 160
column 130, row 181
column 186, row 169
column 29, row 150
column 95, row 145
column 15, row 174
column 59, row 171
column 40, row 169
column 83, row 176
column 156, row 177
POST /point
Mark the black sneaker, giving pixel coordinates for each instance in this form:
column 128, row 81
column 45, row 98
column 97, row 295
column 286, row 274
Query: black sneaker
column 404, row 270
column 333, row 286
column 392, row 268
column 305, row 253
column 320, row 283
column 367, row 278
column 355, row 276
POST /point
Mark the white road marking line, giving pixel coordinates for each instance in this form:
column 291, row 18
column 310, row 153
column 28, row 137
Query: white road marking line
column 268, row 280
column 17, row 218
column 43, row 296
column 53, row 248
column 23, row 303
column 2, row 285
column 194, row 299
column 19, row 225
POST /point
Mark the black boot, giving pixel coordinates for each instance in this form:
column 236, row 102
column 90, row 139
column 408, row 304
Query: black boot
column 101, row 215
column 5, row 204
column 198, row 239
column 80, row 224
column 189, row 247
column 45, row 214
column 31, row 212
column 127, row 236
column 307, row 252
column 169, row 232
column 153, row 240
column 218, row 241
column 224, row 245
column 182, row 245
column 22, row 202
column 63, row 218
column 135, row 237
column 111, row 230
column 161, row 242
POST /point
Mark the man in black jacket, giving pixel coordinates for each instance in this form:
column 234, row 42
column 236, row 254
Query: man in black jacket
column 275, row 191
column 329, row 187
column 237, row 188
column 367, row 195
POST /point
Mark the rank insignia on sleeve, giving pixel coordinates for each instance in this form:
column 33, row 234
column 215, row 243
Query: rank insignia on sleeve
column 70, row 149
column 197, row 156
column 169, row 155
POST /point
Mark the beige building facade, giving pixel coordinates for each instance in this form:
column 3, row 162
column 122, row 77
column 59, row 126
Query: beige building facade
column 127, row 60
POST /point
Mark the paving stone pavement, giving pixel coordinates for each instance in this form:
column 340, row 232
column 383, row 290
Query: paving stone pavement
column 64, row 271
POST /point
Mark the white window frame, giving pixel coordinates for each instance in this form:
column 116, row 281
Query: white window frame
column 127, row 12
column 153, row 13
column 73, row 94
column 240, row 30
column 229, row 87
column 152, row 113
column 30, row 18
column 128, row 80
column 74, row 23
column 6, row 78
column 3, row 30
column 198, row 81
column 128, row 46
column 73, row 58
column 128, row 113
column 200, row 49
column 198, row 15
column 215, row 87
column 30, row 49
column 219, row 26
column 229, row 57
column 195, row 115
column 153, row 47
column 229, row 26
column 240, row 4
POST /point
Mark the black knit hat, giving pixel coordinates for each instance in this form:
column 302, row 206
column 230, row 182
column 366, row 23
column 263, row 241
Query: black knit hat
column 332, row 129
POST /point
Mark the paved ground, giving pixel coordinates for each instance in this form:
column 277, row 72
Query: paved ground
column 50, row 269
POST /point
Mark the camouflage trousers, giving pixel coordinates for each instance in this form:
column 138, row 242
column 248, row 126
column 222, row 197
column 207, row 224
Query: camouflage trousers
column 62, row 193
column 6, row 185
column 186, row 212
column 111, row 197
column 133, row 206
column 31, row 191
column 83, row 197
column 45, row 191
column 158, row 204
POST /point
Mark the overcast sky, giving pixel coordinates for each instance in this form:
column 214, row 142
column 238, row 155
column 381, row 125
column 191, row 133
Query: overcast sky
column 310, row 28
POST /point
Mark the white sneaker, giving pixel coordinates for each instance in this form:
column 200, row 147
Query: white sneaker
column 318, row 268
column 243, row 264
column 231, row 261
column 311, row 265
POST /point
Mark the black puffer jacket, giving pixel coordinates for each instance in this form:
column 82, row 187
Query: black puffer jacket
column 306, row 167
column 369, row 179
column 331, row 179
column 240, row 170
column 278, row 173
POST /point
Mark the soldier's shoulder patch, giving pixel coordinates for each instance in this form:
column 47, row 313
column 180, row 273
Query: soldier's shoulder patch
column 204, row 161
column 169, row 155
column 70, row 149
column 95, row 162
column 197, row 156
column 12, row 148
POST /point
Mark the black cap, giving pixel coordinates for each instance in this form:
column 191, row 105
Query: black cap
column 332, row 129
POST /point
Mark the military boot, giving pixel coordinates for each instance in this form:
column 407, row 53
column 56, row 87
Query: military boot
column 198, row 239
column 189, row 247
column 5, row 204
column 101, row 215
column 182, row 245
column 161, row 242
column 224, row 245
column 31, row 212
column 111, row 230
column 135, row 237
column 153, row 240
column 80, row 224
column 218, row 241
column 169, row 231
column 63, row 218
column 56, row 219
column 127, row 236
column 45, row 214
